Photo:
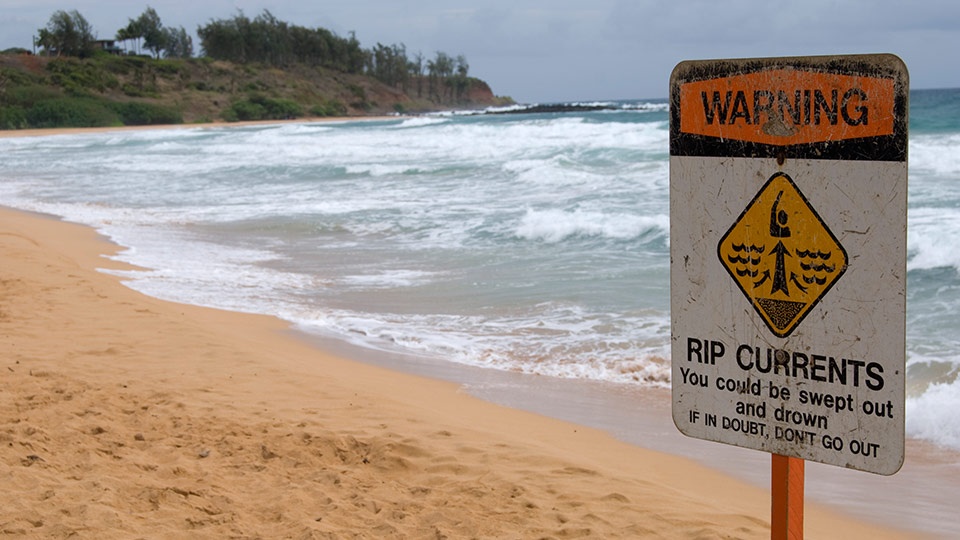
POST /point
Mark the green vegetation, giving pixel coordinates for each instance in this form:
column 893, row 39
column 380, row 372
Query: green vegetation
column 72, row 112
column 253, row 69
column 75, row 103
column 267, row 40
column 67, row 34
column 258, row 107
column 146, row 114
column 172, row 42
column 329, row 108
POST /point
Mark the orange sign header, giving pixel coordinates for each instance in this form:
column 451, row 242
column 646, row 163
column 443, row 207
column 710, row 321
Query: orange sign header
column 783, row 107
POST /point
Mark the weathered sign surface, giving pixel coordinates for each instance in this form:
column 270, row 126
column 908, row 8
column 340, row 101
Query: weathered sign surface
column 788, row 191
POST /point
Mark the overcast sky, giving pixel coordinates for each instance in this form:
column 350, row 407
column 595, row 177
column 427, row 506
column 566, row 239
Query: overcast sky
column 563, row 50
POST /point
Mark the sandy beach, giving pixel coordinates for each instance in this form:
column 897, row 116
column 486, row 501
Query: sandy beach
column 123, row 416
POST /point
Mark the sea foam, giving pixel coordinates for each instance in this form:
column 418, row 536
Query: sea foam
column 933, row 416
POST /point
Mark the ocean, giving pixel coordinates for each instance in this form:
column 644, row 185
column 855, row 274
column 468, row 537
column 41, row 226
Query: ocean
column 530, row 242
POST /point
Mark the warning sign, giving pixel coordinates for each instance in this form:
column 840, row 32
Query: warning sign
column 781, row 255
column 788, row 190
column 803, row 107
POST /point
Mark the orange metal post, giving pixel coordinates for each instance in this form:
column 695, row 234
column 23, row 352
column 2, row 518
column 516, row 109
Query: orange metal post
column 786, row 489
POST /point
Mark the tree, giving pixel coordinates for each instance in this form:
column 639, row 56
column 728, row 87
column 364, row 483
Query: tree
column 389, row 64
column 273, row 42
column 179, row 43
column 134, row 30
column 221, row 39
column 128, row 33
column 459, row 82
column 354, row 55
column 462, row 66
column 172, row 42
column 270, row 41
column 439, row 70
column 416, row 69
column 399, row 67
column 151, row 30
column 67, row 34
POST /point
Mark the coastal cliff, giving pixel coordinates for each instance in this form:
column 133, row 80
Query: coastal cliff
column 107, row 90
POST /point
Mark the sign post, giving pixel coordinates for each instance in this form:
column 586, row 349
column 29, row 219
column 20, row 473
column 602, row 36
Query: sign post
column 788, row 189
column 786, row 492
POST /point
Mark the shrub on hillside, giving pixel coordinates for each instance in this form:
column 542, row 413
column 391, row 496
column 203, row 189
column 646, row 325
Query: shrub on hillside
column 146, row 114
column 78, row 77
column 71, row 112
column 259, row 107
column 28, row 96
column 13, row 118
column 330, row 107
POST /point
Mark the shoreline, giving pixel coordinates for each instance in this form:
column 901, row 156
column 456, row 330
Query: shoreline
column 49, row 132
column 126, row 415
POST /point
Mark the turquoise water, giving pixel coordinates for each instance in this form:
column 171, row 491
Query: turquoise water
column 535, row 243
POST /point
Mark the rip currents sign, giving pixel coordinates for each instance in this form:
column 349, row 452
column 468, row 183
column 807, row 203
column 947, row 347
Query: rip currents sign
column 788, row 192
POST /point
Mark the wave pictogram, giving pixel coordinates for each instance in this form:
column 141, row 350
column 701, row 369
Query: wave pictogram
column 743, row 260
column 814, row 254
column 818, row 268
column 749, row 249
column 813, row 279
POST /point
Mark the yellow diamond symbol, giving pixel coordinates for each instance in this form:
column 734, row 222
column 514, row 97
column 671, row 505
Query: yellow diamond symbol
column 782, row 255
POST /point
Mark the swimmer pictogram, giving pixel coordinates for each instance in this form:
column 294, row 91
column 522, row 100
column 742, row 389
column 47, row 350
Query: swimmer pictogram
column 782, row 255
